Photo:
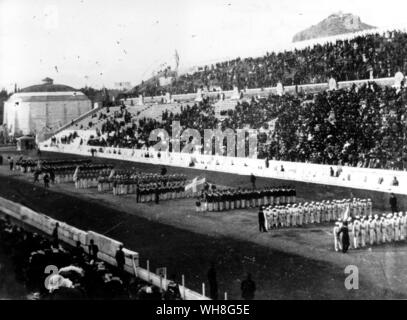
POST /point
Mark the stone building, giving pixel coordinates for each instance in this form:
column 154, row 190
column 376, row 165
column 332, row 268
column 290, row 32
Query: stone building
column 41, row 107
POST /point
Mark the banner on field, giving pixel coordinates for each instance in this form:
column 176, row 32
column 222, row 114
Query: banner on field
column 195, row 183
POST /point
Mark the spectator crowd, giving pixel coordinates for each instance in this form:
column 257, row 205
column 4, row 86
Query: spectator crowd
column 377, row 54
column 363, row 126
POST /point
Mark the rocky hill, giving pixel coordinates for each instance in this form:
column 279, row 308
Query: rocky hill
column 335, row 24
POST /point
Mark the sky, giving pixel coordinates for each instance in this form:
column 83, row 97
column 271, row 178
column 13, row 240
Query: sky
column 101, row 42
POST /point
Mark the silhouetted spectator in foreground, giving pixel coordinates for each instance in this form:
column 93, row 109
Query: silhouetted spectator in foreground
column 55, row 238
column 93, row 250
column 120, row 260
column 213, row 283
column 173, row 292
column 78, row 251
column 248, row 288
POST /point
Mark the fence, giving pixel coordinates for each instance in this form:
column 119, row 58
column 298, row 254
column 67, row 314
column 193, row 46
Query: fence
column 107, row 246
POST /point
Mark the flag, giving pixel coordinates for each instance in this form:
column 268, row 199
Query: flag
column 75, row 175
column 111, row 175
column 194, row 184
column 346, row 214
column 176, row 59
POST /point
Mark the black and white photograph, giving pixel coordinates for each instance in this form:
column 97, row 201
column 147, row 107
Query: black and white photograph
column 221, row 150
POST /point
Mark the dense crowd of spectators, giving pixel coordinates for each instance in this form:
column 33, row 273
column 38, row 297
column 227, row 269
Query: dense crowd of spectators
column 380, row 55
column 360, row 126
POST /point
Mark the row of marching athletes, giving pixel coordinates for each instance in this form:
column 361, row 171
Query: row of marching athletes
column 152, row 191
column 371, row 230
column 30, row 165
column 128, row 183
column 86, row 180
column 230, row 199
column 314, row 212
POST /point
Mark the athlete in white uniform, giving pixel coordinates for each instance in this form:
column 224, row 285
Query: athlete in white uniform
column 402, row 226
column 396, row 223
column 337, row 240
column 372, row 230
column 356, row 232
column 364, row 231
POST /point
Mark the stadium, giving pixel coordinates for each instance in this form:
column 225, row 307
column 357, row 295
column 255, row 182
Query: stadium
column 261, row 178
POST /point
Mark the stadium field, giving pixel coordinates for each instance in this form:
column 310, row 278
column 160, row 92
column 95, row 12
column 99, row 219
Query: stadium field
column 292, row 263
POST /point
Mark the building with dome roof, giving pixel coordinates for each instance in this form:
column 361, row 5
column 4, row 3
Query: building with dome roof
column 43, row 107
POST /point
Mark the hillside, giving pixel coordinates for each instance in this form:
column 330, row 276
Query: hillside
column 335, row 24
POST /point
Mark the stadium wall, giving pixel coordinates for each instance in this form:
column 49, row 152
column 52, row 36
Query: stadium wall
column 308, row 88
column 107, row 246
column 350, row 177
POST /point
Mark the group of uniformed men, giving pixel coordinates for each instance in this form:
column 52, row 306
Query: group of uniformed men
column 153, row 192
column 29, row 165
column 64, row 170
column 72, row 173
column 230, row 199
column 372, row 230
column 141, row 183
column 314, row 212
column 90, row 178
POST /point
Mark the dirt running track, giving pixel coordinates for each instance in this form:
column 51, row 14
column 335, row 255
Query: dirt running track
column 285, row 264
